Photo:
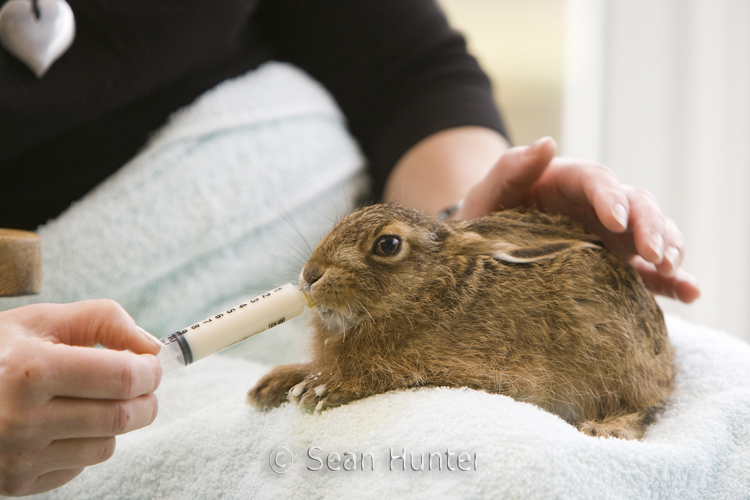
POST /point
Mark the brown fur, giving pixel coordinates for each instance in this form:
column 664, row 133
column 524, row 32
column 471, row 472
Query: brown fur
column 522, row 304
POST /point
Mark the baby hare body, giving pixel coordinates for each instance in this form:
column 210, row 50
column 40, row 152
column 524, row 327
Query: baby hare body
column 522, row 304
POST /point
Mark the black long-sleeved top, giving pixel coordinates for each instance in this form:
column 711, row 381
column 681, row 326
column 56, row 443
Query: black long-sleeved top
column 396, row 69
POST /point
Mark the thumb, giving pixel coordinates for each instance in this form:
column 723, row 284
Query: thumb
column 509, row 181
column 92, row 322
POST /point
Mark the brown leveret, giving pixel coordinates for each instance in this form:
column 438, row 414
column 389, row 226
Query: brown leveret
column 522, row 304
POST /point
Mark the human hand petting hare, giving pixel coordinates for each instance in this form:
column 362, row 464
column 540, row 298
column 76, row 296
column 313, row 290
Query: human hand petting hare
column 626, row 218
column 522, row 304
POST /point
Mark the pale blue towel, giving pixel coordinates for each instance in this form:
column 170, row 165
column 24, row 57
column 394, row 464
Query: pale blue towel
column 224, row 202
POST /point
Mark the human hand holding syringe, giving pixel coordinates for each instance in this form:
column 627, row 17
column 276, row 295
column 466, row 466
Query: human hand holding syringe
column 64, row 402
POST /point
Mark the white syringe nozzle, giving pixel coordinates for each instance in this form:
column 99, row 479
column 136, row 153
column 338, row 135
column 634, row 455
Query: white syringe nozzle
column 231, row 327
column 170, row 357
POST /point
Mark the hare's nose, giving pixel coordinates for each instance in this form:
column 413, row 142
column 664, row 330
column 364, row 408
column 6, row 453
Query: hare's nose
column 312, row 273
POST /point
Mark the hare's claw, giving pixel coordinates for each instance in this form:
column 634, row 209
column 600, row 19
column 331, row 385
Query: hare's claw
column 296, row 391
column 314, row 396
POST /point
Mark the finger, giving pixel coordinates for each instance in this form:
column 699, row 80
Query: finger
column 92, row 322
column 682, row 286
column 76, row 453
column 45, row 482
column 588, row 192
column 507, row 184
column 688, row 289
column 588, row 183
column 674, row 249
column 87, row 372
column 648, row 225
column 81, row 418
column 657, row 283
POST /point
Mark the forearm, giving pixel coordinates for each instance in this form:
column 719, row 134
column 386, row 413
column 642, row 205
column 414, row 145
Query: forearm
column 439, row 170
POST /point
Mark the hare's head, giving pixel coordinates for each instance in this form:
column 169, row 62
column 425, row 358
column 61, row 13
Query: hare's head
column 370, row 262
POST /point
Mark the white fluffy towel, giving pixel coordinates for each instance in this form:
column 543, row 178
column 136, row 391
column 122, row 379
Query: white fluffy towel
column 208, row 443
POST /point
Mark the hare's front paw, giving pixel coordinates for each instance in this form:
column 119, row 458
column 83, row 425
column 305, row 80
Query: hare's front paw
column 317, row 394
column 272, row 389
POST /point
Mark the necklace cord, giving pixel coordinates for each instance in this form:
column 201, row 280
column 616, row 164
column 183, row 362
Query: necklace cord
column 35, row 8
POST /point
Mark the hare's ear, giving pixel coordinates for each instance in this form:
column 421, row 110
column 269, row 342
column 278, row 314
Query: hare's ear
column 526, row 254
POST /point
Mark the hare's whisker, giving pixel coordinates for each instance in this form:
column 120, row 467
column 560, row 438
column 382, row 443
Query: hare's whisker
column 365, row 309
column 290, row 220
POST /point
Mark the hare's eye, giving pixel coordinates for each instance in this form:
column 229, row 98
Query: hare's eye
column 387, row 245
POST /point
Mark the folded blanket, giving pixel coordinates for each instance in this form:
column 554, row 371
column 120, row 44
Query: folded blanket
column 208, row 443
column 224, row 202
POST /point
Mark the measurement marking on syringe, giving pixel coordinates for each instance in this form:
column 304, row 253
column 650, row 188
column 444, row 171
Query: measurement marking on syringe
column 230, row 311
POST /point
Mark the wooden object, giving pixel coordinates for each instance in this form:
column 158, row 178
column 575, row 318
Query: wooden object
column 20, row 263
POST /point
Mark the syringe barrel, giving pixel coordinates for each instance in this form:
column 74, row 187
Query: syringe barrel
column 231, row 327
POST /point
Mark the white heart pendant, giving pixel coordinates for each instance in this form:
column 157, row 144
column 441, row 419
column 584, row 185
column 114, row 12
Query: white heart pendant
column 37, row 42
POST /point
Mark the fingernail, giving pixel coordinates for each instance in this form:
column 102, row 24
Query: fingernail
column 620, row 214
column 657, row 245
column 692, row 280
column 538, row 144
column 153, row 340
column 673, row 256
